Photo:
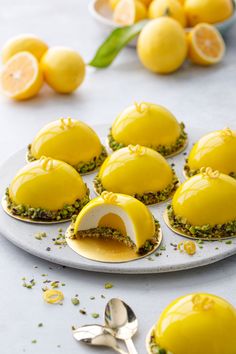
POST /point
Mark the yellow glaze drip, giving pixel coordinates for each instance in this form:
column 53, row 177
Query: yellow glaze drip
column 146, row 124
column 136, row 212
column 130, row 173
column 217, row 150
column 47, row 184
column 197, row 323
column 203, row 200
column 67, row 140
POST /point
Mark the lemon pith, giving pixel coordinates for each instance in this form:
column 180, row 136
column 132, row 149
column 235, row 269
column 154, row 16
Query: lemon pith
column 137, row 220
column 206, row 45
column 47, row 184
column 200, row 315
column 217, row 150
column 68, row 140
column 21, row 77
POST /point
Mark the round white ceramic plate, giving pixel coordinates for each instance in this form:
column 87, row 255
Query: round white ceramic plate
column 22, row 234
column 102, row 13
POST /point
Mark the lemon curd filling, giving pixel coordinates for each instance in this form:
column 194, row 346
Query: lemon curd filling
column 46, row 190
column 148, row 125
column 71, row 141
column 194, row 324
column 137, row 171
column 217, row 150
column 205, row 206
column 119, row 217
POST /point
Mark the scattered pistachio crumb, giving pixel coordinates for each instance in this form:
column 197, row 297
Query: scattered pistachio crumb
column 150, row 259
column 28, row 285
column 108, row 285
column 40, row 324
column 95, row 315
column 229, row 242
column 103, row 296
column 163, row 248
column 75, row 301
column 34, row 341
column 92, row 297
column 40, row 235
column 73, row 328
column 83, row 312
column 55, row 284
column 63, row 284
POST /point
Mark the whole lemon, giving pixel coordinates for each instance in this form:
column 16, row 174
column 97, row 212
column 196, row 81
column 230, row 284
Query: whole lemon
column 171, row 8
column 162, row 45
column 210, row 11
column 63, row 69
column 24, row 43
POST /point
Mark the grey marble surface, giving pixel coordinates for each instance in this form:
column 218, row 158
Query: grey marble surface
column 204, row 99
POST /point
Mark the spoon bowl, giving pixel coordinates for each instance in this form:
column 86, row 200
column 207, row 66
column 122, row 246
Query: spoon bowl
column 97, row 335
column 123, row 322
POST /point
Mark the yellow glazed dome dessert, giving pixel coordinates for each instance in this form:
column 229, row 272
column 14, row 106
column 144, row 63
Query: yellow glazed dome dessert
column 119, row 217
column 217, row 150
column 46, row 190
column 205, row 206
column 195, row 324
column 137, row 171
column 71, row 141
column 150, row 125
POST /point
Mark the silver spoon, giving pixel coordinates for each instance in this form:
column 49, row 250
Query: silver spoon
column 98, row 336
column 122, row 320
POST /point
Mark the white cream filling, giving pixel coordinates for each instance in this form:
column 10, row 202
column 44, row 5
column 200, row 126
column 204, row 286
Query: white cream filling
column 91, row 219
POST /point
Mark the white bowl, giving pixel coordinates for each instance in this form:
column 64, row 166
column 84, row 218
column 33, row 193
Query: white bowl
column 102, row 13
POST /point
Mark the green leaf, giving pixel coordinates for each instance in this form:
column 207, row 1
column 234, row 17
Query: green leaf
column 117, row 40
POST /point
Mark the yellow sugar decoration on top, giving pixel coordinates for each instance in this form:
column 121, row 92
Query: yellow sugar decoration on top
column 202, row 303
column 136, row 149
column 109, row 197
column 209, row 172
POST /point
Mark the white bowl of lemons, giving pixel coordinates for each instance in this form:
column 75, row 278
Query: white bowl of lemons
column 117, row 13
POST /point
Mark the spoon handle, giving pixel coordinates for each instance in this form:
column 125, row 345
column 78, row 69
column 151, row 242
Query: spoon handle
column 119, row 350
column 130, row 346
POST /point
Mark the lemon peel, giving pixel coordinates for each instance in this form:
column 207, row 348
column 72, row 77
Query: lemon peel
column 52, row 296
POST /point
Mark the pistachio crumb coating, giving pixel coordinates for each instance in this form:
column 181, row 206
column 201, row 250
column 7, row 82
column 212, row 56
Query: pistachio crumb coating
column 113, row 234
column 146, row 198
column 40, row 214
column 204, row 231
column 192, row 172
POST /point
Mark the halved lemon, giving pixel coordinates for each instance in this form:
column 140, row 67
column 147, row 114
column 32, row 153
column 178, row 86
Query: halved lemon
column 127, row 12
column 21, row 77
column 206, row 45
